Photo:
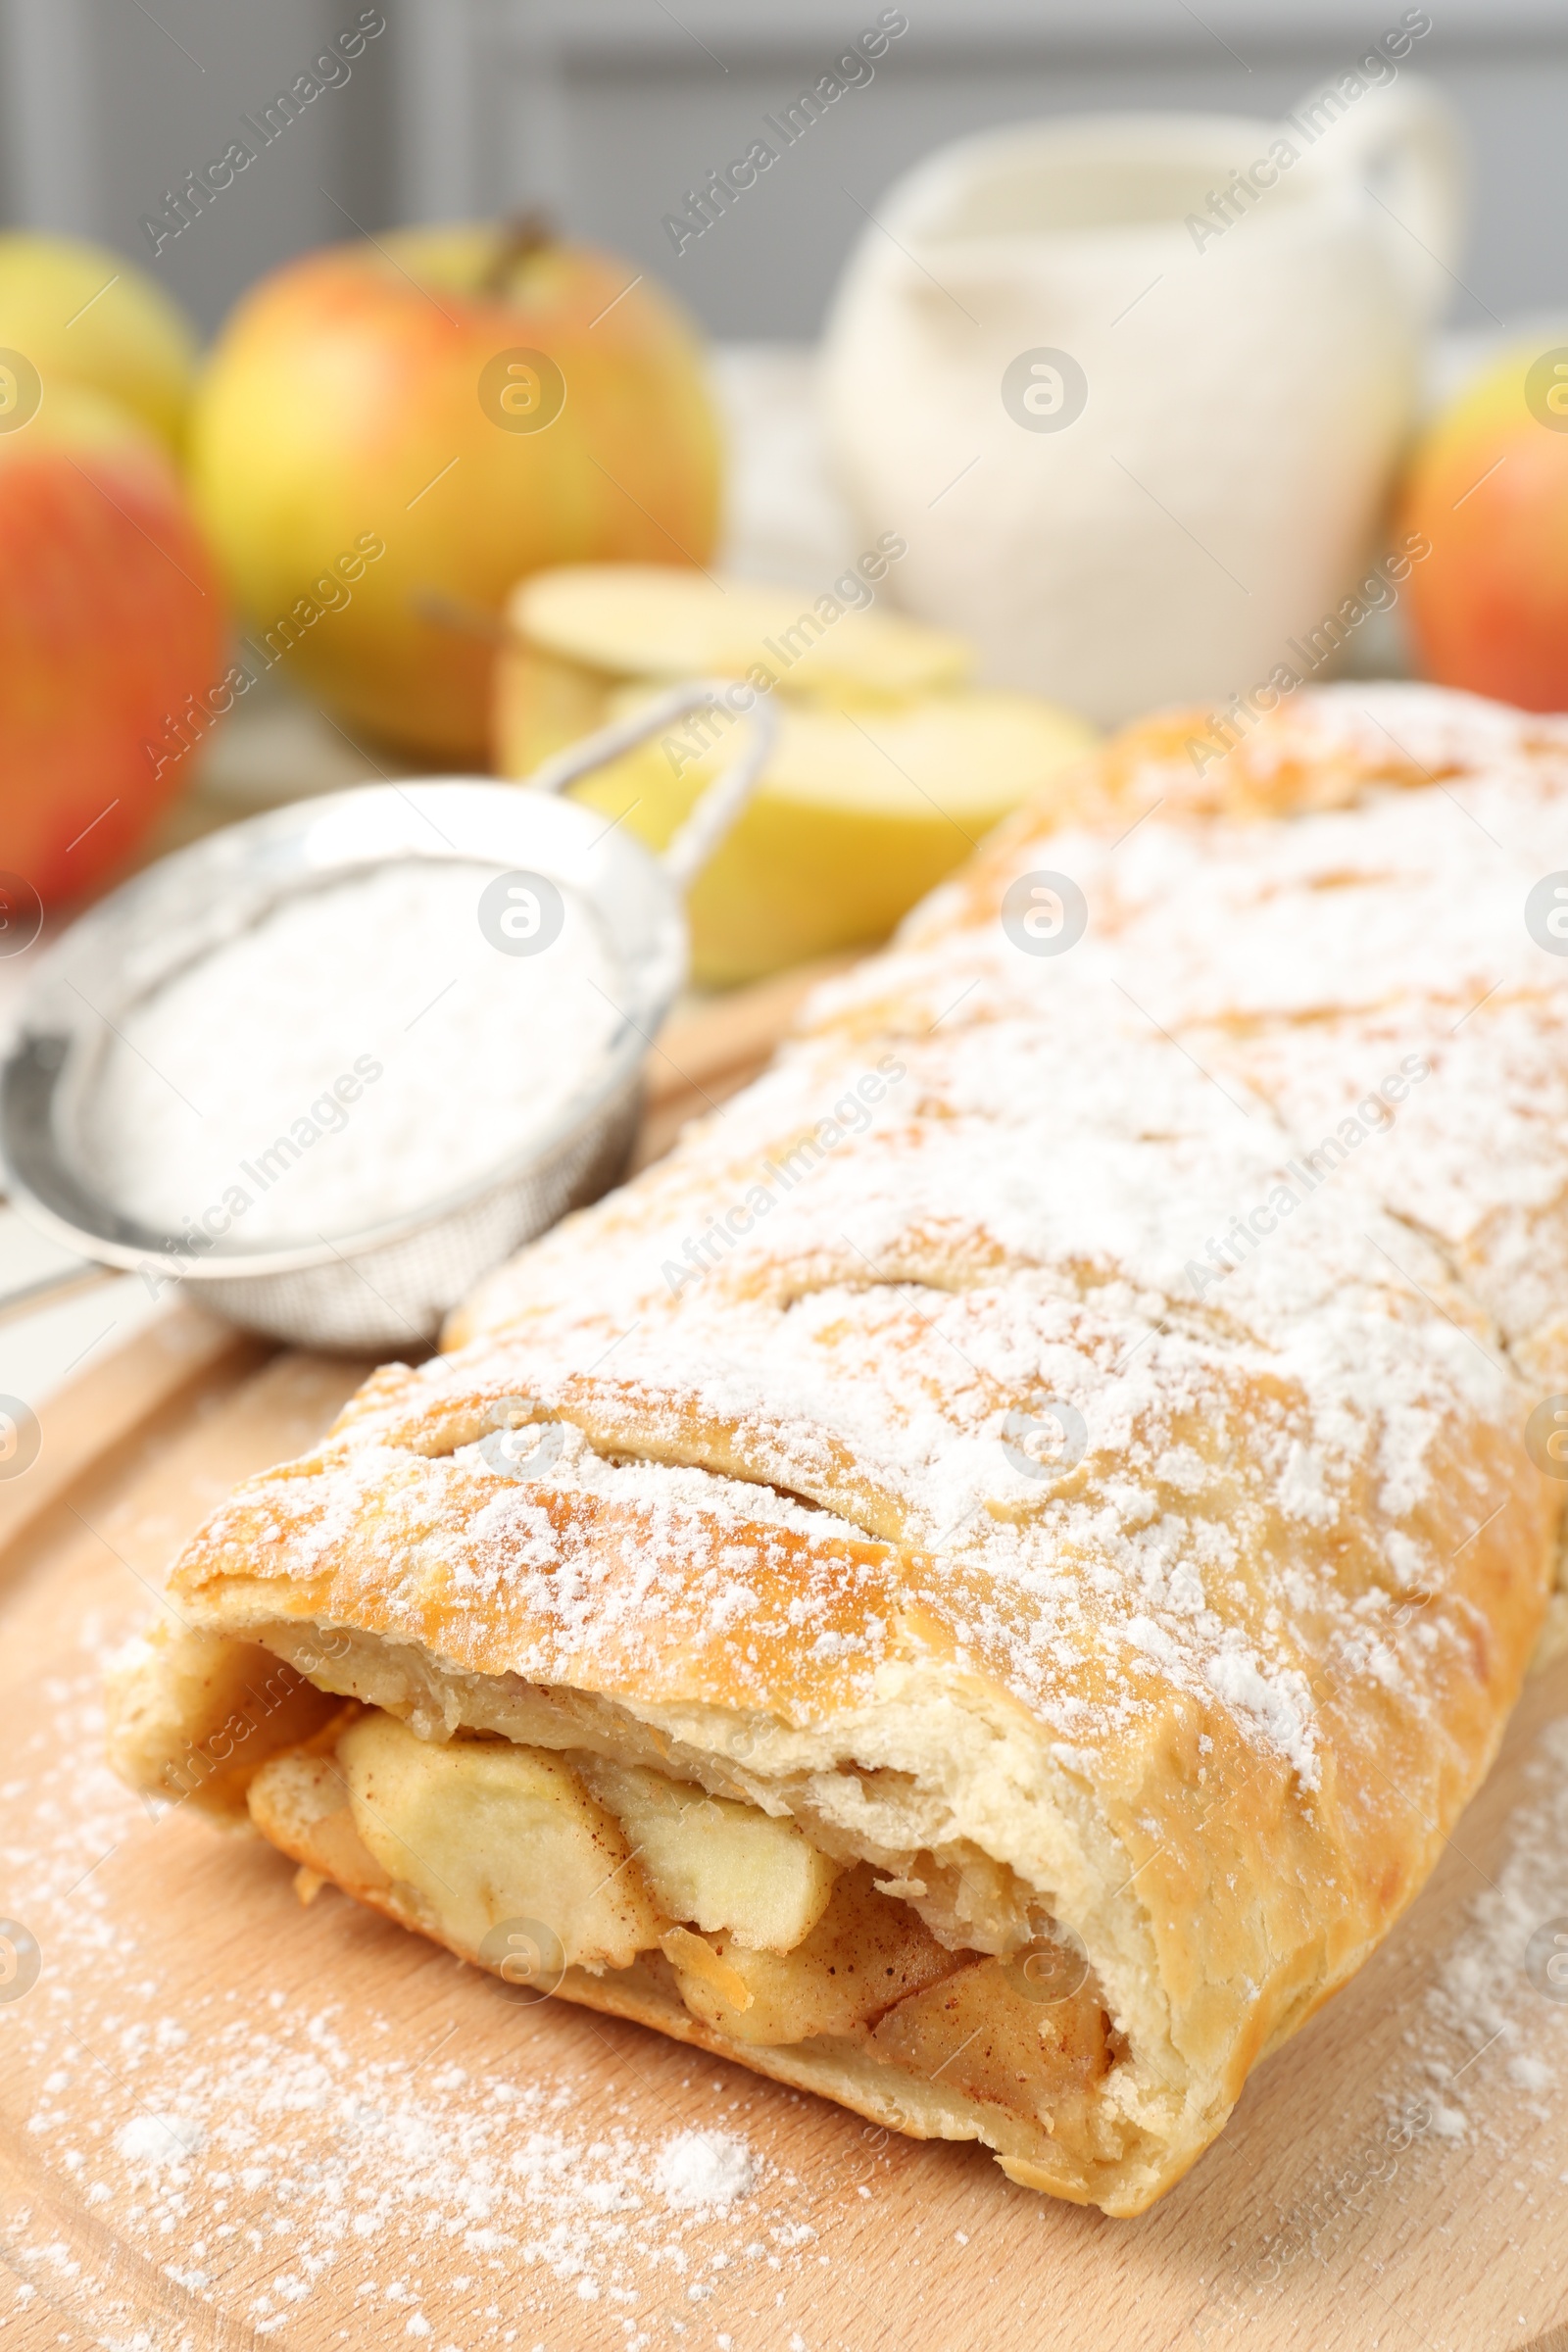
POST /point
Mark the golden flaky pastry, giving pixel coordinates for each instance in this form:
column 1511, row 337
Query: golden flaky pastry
column 979, row 1585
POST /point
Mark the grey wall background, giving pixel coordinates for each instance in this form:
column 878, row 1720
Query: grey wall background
column 108, row 103
column 606, row 111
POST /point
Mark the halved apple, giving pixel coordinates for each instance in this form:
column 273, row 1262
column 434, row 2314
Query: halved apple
column 863, row 811
column 581, row 630
column 888, row 767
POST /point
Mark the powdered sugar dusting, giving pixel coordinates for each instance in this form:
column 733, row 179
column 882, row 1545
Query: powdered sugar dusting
column 1219, row 1185
column 705, row 2167
column 290, row 2158
column 156, row 2139
column 1492, row 1995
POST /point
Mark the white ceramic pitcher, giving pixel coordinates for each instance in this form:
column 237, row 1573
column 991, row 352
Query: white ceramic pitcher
column 1137, row 438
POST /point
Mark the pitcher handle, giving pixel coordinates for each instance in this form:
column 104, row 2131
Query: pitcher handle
column 1409, row 138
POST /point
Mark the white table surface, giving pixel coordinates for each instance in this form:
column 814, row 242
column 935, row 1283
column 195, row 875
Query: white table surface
column 785, row 523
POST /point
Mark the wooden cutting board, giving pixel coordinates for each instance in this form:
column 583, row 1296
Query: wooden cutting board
column 229, row 2121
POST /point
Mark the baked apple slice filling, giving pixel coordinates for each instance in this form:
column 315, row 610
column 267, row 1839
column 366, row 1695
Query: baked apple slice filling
column 537, row 1864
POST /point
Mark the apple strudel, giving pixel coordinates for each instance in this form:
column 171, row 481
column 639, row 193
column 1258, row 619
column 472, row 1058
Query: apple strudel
column 979, row 1583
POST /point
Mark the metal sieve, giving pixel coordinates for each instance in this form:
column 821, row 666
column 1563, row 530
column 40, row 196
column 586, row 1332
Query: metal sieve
column 388, row 1286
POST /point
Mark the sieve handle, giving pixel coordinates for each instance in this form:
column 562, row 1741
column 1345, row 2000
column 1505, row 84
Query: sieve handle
column 726, row 798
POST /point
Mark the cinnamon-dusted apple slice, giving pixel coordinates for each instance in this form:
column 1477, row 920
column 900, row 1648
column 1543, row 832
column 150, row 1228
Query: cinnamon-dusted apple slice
column 195, row 1714
column 984, row 2033
column 866, row 1952
column 480, row 1831
column 719, row 1866
column 301, row 1803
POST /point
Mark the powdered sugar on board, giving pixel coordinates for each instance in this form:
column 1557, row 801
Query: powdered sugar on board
column 1501, row 1987
column 326, row 2172
column 172, row 1884
column 705, row 2167
column 285, row 2154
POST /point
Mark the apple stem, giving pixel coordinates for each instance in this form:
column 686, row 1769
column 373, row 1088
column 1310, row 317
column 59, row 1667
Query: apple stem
column 520, row 237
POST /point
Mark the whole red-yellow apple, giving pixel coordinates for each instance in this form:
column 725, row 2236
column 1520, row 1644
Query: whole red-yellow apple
column 388, row 436
column 75, row 313
column 1487, row 484
column 112, row 626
